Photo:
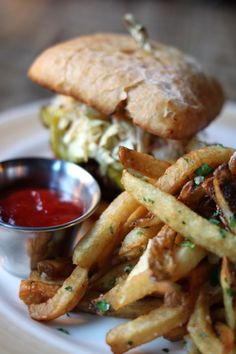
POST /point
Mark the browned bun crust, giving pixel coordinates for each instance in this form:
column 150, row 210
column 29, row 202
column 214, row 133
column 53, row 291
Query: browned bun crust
column 165, row 92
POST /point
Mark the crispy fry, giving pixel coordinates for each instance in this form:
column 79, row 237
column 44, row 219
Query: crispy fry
column 179, row 173
column 105, row 231
column 172, row 234
column 134, row 217
column 65, row 299
column 116, row 241
column 184, row 168
column 147, row 220
column 228, row 293
column 147, row 327
column 232, row 164
column 182, row 219
column 139, row 284
column 186, row 260
column 108, row 280
column 136, row 241
column 170, row 262
column 200, row 328
column 226, row 336
column 169, row 255
column 190, row 346
column 134, row 310
column 36, row 292
column 191, row 195
column 145, row 164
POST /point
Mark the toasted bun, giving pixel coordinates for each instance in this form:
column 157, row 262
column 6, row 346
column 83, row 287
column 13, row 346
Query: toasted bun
column 165, row 93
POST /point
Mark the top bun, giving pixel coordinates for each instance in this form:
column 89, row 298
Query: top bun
column 164, row 91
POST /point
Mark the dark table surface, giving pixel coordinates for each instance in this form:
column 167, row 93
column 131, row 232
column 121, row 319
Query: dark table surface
column 204, row 29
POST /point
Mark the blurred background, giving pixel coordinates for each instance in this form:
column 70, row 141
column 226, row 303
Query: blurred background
column 205, row 29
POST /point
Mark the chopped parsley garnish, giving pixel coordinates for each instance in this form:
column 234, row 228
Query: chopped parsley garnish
column 232, row 221
column 216, row 213
column 188, row 244
column 230, row 292
column 214, row 221
column 186, row 159
column 111, row 229
column 140, row 233
column 102, row 306
column 203, row 334
column 204, row 170
column 63, row 330
column 165, row 350
column 128, row 268
column 130, row 343
column 69, row 288
column 148, row 200
column 222, row 232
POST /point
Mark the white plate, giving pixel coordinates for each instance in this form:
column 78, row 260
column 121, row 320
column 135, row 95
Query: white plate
column 22, row 134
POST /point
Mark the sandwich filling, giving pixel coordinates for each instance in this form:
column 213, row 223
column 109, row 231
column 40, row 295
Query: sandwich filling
column 79, row 133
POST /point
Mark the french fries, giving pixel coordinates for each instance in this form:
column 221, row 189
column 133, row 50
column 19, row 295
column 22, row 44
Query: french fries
column 112, row 277
column 36, row 292
column 105, row 232
column 132, row 311
column 226, row 279
column 145, row 164
column 65, row 299
column 190, row 346
column 147, row 327
column 183, row 169
column 182, row 219
column 136, row 241
column 154, row 256
column 201, row 330
column 226, row 336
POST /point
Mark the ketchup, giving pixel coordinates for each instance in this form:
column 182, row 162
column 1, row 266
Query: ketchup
column 38, row 207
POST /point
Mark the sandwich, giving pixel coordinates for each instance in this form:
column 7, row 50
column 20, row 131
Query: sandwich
column 112, row 90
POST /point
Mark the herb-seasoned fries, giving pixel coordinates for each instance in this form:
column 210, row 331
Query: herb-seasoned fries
column 147, row 327
column 162, row 254
column 36, row 292
column 182, row 219
column 145, row 164
column 201, row 330
column 105, row 231
column 65, row 299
